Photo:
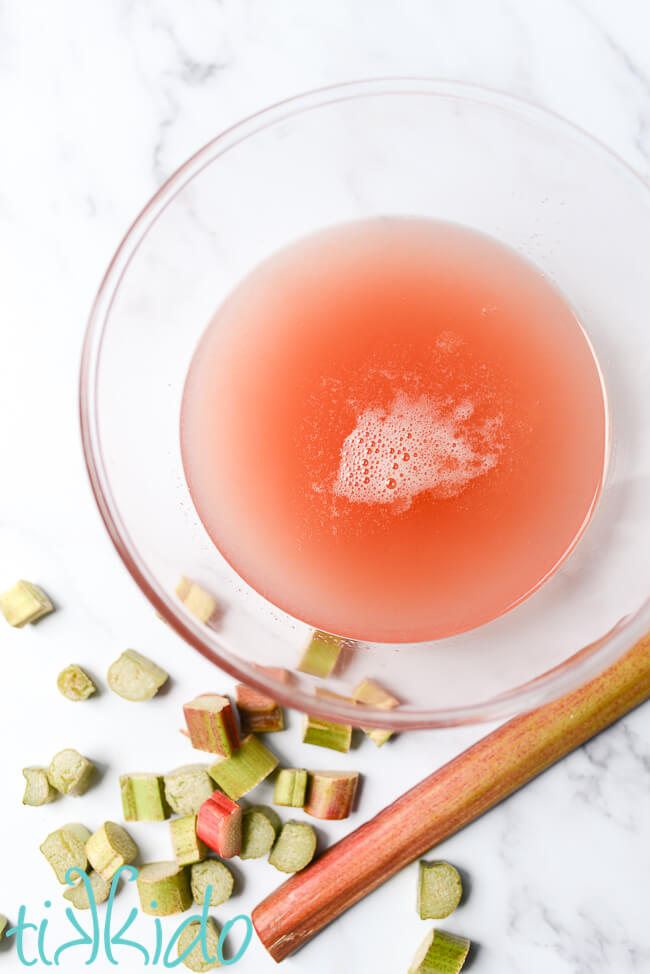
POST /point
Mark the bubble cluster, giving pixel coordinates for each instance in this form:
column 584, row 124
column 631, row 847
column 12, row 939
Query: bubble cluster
column 417, row 445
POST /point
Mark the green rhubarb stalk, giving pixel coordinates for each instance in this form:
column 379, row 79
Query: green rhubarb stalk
column 78, row 895
column 70, row 772
column 294, row 847
column 372, row 694
column 135, row 677
column 109, row 848
column 260, row 827
column 440, row 889
column 163, row 888
column 143, row 797
column 38, row 790
column 211, row 724
column 75, row 684
column 321, row 654
column 24, row 602
column 290, row 787
column 196, row 960
column 440, row 953
column 325, row 733
column 65, row 849
column 217, row 876
column 186, row 788
column 238, row 774
column 186, row 844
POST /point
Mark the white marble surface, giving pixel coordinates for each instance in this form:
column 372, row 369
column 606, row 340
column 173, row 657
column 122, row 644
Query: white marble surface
column 100, row 102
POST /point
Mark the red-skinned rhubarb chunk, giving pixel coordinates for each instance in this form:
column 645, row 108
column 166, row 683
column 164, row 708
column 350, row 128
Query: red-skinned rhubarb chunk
column 252, row 699
column 257, row 712
column 257, row 723
column 211, row 724
column 219, row 825
column 330, row 794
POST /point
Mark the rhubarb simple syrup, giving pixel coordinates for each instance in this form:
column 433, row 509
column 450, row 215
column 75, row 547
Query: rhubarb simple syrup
column 395, row 430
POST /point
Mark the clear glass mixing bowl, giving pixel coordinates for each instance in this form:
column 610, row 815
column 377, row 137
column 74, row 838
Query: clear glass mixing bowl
column 409, row 147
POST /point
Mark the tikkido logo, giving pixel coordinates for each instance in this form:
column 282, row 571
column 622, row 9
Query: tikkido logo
column 99, row 937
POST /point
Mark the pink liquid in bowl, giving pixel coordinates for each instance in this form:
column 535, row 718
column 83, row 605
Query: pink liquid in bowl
column 394, row 430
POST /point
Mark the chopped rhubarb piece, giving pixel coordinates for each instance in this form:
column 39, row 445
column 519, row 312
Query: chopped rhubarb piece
column 211, row 724
column 331, row 793
column 219, row 825
column 257, row 712
column 252, row 763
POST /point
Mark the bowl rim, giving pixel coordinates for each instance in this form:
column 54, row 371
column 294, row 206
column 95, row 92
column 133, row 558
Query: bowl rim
column 572, row 672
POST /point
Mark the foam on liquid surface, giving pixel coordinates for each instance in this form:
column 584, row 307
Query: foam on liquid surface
column 416, row 445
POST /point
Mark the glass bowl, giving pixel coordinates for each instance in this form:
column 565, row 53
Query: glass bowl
column 410, row 147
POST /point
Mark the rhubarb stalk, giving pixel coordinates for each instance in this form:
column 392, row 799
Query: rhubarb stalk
column 447, row 800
